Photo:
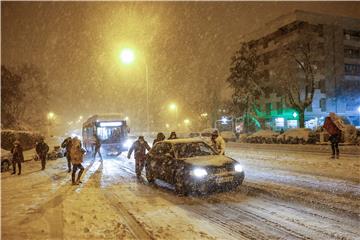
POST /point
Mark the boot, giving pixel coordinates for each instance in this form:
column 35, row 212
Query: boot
column 79, row 176
column 73, row 179
column 13, row 173
column 332, row 156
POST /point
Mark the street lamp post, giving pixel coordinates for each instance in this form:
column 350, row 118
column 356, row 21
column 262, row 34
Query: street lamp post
column 127, row 56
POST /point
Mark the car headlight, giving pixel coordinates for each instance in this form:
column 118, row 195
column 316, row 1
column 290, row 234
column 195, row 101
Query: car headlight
column 238, row 168
column 127, row 143
column 199, row 172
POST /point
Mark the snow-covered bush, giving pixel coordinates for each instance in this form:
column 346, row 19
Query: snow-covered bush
column 27, row 139
column 262, row 136
column 296, row 136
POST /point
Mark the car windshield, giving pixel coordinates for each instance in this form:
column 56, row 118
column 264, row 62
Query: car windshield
column 194, row 149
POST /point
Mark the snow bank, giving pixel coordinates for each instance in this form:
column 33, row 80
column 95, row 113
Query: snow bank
column 301, row 133
column 264, row 133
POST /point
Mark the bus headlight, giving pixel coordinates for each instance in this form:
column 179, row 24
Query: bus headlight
column 127, row 143
column 238, row 168
column 199, row 172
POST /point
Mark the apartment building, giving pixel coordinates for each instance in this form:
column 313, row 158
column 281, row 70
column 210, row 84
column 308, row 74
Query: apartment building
column 338, row 81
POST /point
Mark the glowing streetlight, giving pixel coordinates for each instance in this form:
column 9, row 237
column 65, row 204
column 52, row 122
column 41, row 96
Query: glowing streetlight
column 173, row 106
column 186, row 121
column 127, row 56
column 50, row 116
column 167, row 125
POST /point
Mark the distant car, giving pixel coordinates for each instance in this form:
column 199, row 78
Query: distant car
column 228, row 136
column 205, row 136
column 192, row 165
column 5, row 160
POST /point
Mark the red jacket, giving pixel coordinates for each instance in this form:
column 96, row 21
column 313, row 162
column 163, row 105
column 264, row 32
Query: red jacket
column 330, row 127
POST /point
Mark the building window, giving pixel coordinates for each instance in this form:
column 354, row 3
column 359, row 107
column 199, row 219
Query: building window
column 352, row 69
column 351, row 52
column 268, row 108
column 323, row 104
column 352, row 35
column 322, row 86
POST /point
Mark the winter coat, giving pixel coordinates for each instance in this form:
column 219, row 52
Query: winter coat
column 17, row 154
column 42, row 149
column 67, row 145
column 139, row 149
column 330, row 127
column 157, row 140
column 76, row 152
column 219, row 145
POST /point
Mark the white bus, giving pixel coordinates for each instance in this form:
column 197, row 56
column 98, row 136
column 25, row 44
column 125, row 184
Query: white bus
column 112, row 131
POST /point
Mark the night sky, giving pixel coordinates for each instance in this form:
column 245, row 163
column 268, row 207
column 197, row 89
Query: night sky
column 185, row 44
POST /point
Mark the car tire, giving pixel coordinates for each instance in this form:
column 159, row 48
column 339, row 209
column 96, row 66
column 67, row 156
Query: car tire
column 149, row 174
column 180, row 186
column 5, row 166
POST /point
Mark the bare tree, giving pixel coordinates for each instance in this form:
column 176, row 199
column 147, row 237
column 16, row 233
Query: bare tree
column 11, row 98
column 246, row 80
column 296, row 76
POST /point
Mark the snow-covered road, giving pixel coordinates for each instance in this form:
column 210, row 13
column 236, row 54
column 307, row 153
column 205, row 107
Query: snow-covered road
column 286, row 195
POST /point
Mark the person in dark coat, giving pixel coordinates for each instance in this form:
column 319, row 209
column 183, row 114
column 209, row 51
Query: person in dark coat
column 160, row 137
column 172, row 136
column 139, row 147
column 97, row 146
column 17, row 156
column 335, row 134
column 42, row 149
column 66, row 144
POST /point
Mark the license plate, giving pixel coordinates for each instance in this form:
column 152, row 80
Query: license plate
column 224, row 179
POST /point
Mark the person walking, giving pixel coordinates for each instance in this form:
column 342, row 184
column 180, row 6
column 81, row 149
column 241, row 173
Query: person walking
column 160, row 137
column 172, row 136
column 76, row 155
column 218, row 143
column 139, row 148
column 17, row 156
column 42, row 150
column 66, row 144
column 97, row 146
column 334, row 125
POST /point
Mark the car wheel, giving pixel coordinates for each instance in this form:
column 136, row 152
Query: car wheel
column 180, row 186
column 5, row 166
column 149, row 174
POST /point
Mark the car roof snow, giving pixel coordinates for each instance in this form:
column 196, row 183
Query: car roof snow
column 183, row 140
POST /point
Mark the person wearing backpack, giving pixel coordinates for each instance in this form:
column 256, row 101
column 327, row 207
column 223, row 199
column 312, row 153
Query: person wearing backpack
column 76, row 155
column 334, row 125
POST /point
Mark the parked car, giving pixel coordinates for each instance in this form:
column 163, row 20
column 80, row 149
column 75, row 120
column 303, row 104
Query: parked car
column 297, row 135
column 205, row 136
column 192, row 165
column 5, row 160
column 228, row 136
column 262, row 136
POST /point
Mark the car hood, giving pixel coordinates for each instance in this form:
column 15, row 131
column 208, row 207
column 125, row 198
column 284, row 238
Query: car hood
column 213, row 160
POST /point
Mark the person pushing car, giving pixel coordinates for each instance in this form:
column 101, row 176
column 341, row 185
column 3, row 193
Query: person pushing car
column 139, row 148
